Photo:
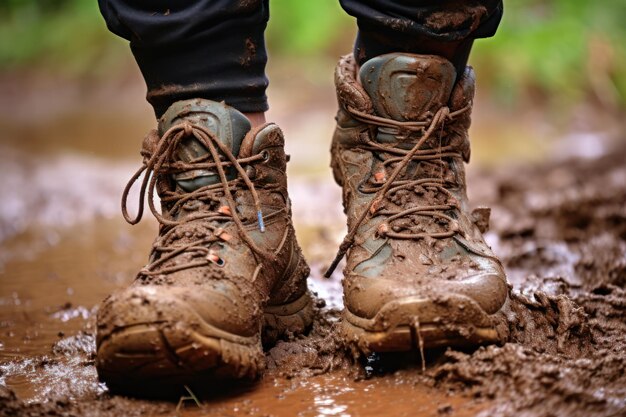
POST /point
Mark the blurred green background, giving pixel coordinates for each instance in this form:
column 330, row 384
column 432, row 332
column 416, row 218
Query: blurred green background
column 549, row 52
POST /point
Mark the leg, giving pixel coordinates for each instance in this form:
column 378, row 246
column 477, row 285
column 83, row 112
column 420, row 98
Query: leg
column 418, row 272
column 445, row 28
column 211, row 49
column 225, row 274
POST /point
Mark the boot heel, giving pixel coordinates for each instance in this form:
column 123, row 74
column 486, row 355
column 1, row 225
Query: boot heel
column 282, row 320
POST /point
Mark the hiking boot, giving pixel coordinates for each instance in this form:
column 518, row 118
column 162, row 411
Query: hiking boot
column 418, row 271
column 225, row 272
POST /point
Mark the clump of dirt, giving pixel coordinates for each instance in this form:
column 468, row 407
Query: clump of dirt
column 523, row 381
column 560, row 230
column 320, row 351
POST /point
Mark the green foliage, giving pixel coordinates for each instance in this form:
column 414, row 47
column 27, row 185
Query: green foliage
column 309, row 27
column 67, row 36
column 562, row 50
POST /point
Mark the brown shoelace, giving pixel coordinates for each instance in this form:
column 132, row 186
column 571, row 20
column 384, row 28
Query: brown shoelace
column 162, row 162
column 404, row 130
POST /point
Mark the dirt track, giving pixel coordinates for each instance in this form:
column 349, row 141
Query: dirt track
column 560, row 228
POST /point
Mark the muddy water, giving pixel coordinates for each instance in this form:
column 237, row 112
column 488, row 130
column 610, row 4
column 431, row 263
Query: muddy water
column 559, row 226
column 47, row 309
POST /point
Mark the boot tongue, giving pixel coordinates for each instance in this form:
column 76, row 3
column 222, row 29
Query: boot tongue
column 227, row 124
column 407, row 87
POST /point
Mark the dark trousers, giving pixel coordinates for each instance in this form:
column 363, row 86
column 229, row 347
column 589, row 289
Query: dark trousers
column 215, row 49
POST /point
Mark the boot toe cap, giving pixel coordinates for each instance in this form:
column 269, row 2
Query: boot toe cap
column 220, row 305
column 177, row 334
column 389, row 299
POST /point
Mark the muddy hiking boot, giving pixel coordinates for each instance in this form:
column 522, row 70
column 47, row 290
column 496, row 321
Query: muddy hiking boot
column 418, row 271
column 225, row 273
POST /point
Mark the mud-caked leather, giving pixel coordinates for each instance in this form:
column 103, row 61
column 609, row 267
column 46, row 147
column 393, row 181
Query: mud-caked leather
column 225, row 274
column 418, row 272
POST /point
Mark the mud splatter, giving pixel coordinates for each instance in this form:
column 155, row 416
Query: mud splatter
column 458, row 16
column 319, row 352
column 560, row 229
column 567, row 352
column 249, row 54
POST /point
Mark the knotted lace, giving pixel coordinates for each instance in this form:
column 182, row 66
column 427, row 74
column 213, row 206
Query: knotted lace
column 162, row 161
column 391, row 184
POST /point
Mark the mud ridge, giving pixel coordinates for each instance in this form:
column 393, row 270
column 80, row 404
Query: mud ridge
column 560, row 229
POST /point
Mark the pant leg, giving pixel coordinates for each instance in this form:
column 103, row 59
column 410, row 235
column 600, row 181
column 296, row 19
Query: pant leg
column 213, row 49
column 406, row 25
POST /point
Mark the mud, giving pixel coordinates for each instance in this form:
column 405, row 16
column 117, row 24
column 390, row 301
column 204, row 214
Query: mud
column 250, row 53
column 559, row 227
column 560, row 231
column 457, row 15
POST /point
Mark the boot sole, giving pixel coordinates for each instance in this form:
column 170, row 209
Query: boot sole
column 152, row 358
column 407, row 333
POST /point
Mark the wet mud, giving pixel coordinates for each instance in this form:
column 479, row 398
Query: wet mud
column 558, row 226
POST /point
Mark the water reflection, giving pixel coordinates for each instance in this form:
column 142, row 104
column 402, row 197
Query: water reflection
column 326, row 400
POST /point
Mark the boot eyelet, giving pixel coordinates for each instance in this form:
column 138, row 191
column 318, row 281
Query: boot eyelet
column 266, row 155
column 216, row 260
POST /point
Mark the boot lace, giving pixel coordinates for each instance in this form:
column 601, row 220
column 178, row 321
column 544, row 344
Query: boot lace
column 394, row 227
column 162, row 161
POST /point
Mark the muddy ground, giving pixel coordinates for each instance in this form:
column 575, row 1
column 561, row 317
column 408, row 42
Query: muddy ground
column 559, row 225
